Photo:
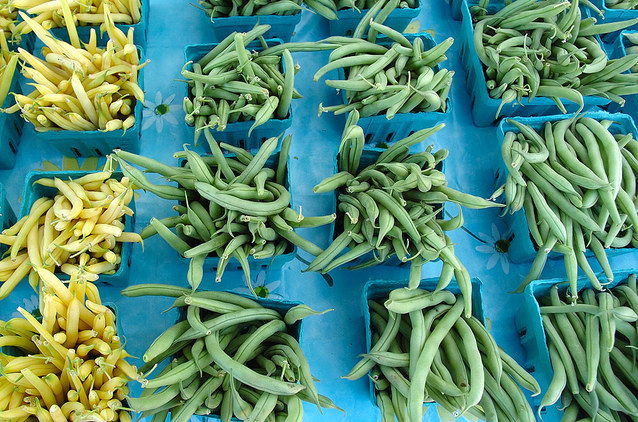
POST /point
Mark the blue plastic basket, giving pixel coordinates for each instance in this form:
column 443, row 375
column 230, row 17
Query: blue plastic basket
column 532, row 333
column 10, row 127
column 7, row 217
column 348, row 19
column 84, row 32
column 484, row 107
column 455, row 8
column 33, row 191
column 94, row 142
column 237, row 133
column 522, row 248
column 368, row 156
column 282, row 27
column 380, row 289
column 379, row 129
column 212, row 262
column 281, row 306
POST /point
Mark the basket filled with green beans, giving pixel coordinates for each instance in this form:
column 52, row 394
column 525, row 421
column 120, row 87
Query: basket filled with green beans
column 395, row 82
column 570, row 190
column 229, row 16
column 626, row 44
column 609, row 11
column 423, row 350
column 231, row 208
column 230, row 356
column 349, row 12
column 537, row 58
column 244, row 97
column 393, row 207
column 583, row 352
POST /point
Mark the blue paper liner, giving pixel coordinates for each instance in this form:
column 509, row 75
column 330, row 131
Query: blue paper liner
column 237, row 133
column 532, row 333
column 484, row 107
column 33, row 191
column 379, row 129
column 522, row 248
column 348, row 19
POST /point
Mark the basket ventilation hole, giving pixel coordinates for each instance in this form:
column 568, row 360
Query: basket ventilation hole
column 368, row 136
column 389, row 137
column 12, row 146
column 76, row 152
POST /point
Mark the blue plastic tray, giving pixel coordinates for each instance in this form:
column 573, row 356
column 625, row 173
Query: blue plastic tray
column 532, row 334
column 379, row 129
column 380, row 289
column 84, row 32
column 282, row 27
column 95, row 143
column 237, row 133
column 211, row 262
column 483, row 106
column 522, row 248
column 33, row 191
column 348, row 19
column 7, row 217
column 10, row 127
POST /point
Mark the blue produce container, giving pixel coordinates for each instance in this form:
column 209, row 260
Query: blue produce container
column 484, row 107
column 369, row 156
column 348, row 19
column 7, row 217
column 84, row 32
column 34, row 191
column 10, row 127
column 237, row 133
column 380, row 289
column 612, row 15
column 282, row 27
column 619, row 49
column 522, row 248
column 94, row 142
column 379, row 129
column 532, row 333
column 211, row 262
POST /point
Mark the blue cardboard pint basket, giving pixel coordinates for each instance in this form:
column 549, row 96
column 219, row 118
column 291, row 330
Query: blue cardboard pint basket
column 380, row 290
column 211, row 262
column 348, row 19
column 484, row 107
column 281, row 306
column 7, row 217
column 368, row 156
column 94, row 142
column 619, row 50
column 282, row 27
column 532, row 333
column 379, row 129
column 34, row 191
column 611, row 15
column 84, row 32
column 522, row 248
column 10, row 127
column 237, row 133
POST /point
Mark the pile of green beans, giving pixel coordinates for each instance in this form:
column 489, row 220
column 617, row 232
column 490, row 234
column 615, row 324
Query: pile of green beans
column 230, row 356
column 233, row 207
column 592, row 351
column 231, row 84
column 576, row 180
column 226, row 8
column 621, row 4
column 390, row 208
column 423, row 349
column 632, row 38
column 543, row 48
column 399, row 78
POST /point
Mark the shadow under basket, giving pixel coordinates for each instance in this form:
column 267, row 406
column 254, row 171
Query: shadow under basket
column 34, row 191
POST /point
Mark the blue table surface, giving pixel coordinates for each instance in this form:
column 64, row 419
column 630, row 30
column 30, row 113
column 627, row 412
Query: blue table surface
column 332, row 341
